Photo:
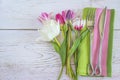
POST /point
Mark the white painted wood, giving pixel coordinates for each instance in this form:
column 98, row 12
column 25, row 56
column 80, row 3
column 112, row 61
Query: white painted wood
column 22, row 14
column 21, row 58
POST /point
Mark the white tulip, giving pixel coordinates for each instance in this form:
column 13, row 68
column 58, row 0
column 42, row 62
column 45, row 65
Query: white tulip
column 49, row 31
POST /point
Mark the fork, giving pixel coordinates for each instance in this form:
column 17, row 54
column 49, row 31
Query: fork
column 96, row 70
column 90, row 25
column 90, row 20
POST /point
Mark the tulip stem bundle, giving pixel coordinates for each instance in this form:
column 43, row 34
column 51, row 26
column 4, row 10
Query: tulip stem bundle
column 66, row 48
column 69, row 70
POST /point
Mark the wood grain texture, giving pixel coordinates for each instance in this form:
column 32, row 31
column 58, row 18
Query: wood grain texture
column 22, row 58
column 22, row 14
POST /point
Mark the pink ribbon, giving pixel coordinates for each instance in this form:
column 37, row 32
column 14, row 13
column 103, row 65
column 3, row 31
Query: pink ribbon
column 96, row 53
column 96, row 39
column 105, row 44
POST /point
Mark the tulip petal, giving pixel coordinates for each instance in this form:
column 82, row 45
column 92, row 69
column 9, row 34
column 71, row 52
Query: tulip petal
column 60, row 18
column 49, row 31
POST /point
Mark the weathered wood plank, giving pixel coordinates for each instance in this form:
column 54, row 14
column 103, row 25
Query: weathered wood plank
column 21, row 58
column 22, row 14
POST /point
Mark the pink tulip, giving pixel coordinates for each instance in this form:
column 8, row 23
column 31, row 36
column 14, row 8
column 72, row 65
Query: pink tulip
column 78, row 27
column 60, row 19
column 77, row 24
column 68, row 15
column 64, row 14
column 43, row 17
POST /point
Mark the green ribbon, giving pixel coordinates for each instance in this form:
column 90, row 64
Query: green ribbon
column 83, row 58
column 110, row 44
column 84, row 49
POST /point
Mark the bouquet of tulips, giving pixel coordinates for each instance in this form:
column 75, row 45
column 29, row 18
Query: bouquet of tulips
column 70, row 34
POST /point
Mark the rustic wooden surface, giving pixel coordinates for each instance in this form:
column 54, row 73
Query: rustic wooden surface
column 22, row 58
column 23, row 13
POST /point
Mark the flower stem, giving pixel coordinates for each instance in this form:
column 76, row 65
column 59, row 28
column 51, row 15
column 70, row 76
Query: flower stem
column 68, row 47
column 76, row 57
column 69, row 70
column 76, row 64
column 63, row 32
column 60, row 74
column 57, row 41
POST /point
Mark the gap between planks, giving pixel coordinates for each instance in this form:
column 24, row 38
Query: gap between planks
column 37, row 29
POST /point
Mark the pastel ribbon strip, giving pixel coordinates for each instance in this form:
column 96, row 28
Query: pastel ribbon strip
column 110, row 44
column 105, row 44
column 84, row 50
column 96, row 39
column 96, row 53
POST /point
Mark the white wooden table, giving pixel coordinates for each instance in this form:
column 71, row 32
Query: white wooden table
column 21, row 58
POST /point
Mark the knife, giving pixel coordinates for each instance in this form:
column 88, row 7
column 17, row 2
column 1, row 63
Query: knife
column 102, row 21
column 101, row 31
